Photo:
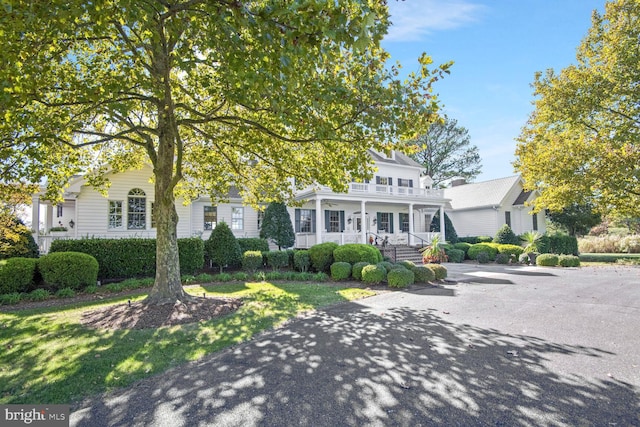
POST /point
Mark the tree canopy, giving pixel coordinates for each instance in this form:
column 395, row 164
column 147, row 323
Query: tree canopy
column 209, row 92
column 446, row 152
column 582, row 142
column 576, row 219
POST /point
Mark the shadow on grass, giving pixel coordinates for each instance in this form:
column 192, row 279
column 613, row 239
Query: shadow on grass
column 77, row 361
column 354, row 365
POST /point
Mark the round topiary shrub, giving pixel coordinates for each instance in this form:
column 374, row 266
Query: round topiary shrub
column 251, row 261
column 510, row 249
column 423, row 275
column 455, row 255
column 73, row 270
column 356, row 271
column 386, row 265
column 568, row 261
column 357, row 252
column 277, row 259
column 502, row 259
column 374, row 274
column 340, row 270
column 321, row 256
column 409, row 265
column 439, row 270
column 17, row 274
column 547, row 260
column 400, row 278
column 463, row 246
column 483, row 258
column 506, row 236
column 478, row 248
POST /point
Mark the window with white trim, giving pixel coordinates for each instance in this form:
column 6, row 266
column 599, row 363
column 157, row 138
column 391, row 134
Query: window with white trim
column 115, row 214
column 58, row 211
column 237, row 218
column 210, row 217
column 136, row 209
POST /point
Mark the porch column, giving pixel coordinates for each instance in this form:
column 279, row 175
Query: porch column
column 443, row 236
column 318, row 220
column 411, row 230
column 35, row 216
column 363, row 222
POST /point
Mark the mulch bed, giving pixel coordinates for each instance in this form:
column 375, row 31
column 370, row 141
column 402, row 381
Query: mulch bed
column 138, row 315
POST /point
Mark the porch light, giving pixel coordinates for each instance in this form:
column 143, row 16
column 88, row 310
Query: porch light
column 349, row 220
column 71, row 224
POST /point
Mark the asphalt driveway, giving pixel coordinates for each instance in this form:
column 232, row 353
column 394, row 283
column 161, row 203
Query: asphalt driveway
column 504, row 346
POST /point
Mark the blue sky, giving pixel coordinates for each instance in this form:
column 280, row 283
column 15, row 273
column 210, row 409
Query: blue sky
column 497, row 46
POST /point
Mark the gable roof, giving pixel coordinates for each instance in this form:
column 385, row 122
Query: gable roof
column 398, row 159
column 481, row 194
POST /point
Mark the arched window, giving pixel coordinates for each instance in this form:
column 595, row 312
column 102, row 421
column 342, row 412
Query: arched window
column 136, row 210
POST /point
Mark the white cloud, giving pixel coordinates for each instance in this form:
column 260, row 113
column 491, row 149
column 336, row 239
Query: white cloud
column 413, row 19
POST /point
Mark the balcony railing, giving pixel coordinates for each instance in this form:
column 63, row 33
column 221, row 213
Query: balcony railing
column 391, row 190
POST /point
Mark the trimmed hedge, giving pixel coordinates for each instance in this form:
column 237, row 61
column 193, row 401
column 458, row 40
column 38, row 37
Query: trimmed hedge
column 125, row 258
column 356, row 270
column 562, row 244
column 400, row 277
column 253, row 244
column 502, row 259
column 609, row 257
column 547, row 260
column 357, row 252
column 510, row 249
column 321, row 256
column 340, row 270
column 455, row 255
column 423, row 275
column 374, row 274
column 73, row 270
column 17, row 274
column 386, row 265
column 439, row 271
column 463, row 246
column 568, row 261
column 277, row 259
column 251, row 261
column 476, row 249
column 301, row 261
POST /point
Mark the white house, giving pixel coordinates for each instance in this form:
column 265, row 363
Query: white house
column 397, row 205
column 481, row 208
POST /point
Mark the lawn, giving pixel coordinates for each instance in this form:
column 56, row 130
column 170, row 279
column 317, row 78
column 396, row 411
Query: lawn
column 48, row 356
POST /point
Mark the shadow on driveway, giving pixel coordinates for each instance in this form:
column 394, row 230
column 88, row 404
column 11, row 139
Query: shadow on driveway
column 354, row 365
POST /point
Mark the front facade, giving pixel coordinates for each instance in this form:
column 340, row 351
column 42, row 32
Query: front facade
column 397, row 206
column 482, row 208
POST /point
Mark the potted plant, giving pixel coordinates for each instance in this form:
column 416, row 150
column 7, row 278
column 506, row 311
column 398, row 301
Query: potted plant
column 58, row 230
column 530, row 242
column 434, row 254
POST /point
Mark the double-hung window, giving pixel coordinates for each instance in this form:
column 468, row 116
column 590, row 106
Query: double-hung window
column 237, row 218
column 136, row 210
column 210, row 217
column 115, row 214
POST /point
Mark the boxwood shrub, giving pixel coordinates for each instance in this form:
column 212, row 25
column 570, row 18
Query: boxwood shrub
column 340, row 270
column 277, row 259
column 386, row 265
column 455, row 255
column 17, row 275
column 423, row 275
column 301, row 261
column 490, row 250
column 321, row 256
column 357, row 252
column 253, row 244
column 374, row 274
column 547, row 260
column 510, row 249
column 463, row 246
column 568, row 261
column 251, row 261
column 502, row 259
column 440, row 271
column 409, row 265
column 356, row 270
column 73, row 270
column 400, row 278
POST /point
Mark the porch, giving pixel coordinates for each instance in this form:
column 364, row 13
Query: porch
column 419, row 239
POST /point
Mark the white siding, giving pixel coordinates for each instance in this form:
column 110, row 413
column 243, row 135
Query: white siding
column 480, row 222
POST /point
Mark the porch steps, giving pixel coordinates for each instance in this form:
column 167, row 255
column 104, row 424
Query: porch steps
column 408, row 253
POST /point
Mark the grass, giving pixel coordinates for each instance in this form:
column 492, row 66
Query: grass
column 631, row 259
column 47, row 356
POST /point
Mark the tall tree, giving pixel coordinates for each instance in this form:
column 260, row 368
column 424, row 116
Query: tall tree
column 277, row 226
column 209, row 92
column 581, row 143
column 446, row 152
column 576, row 219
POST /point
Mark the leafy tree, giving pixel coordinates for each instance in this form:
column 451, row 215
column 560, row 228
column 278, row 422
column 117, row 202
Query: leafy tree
column 277, row 226
column 449, row 229
column 446, row 152
column 16, row 239
column 223, row 247
column 576, row 219
column 209, row 92
column 581, row 144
